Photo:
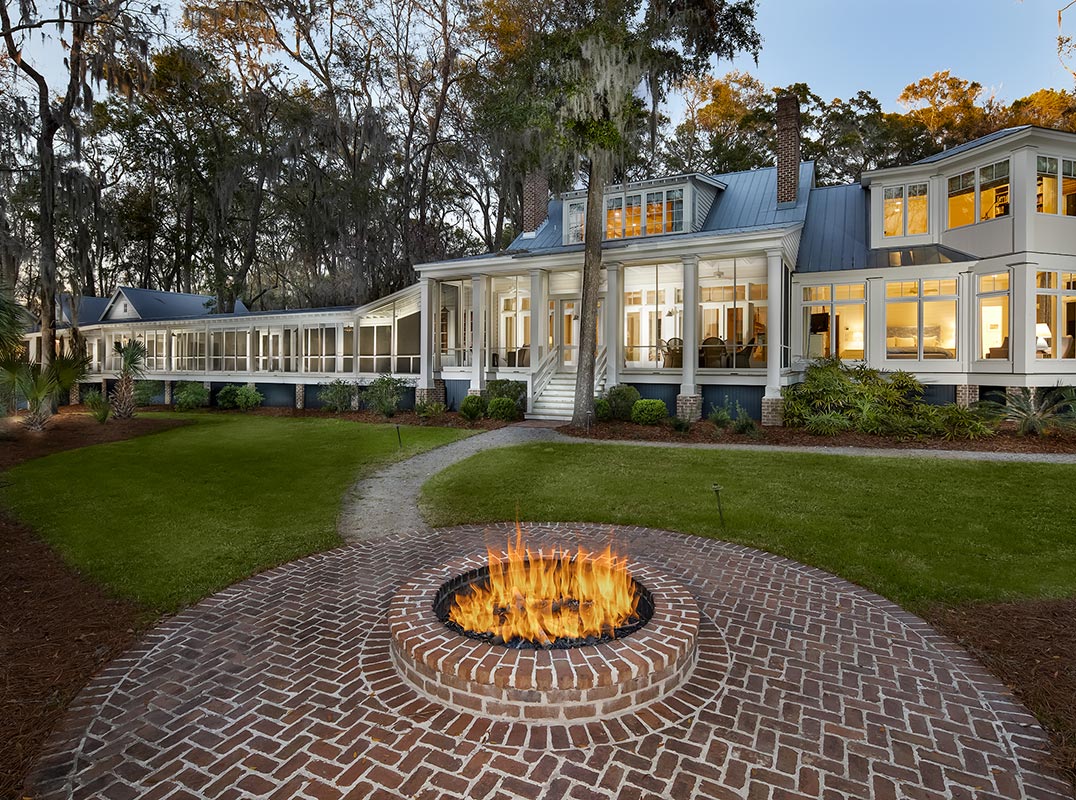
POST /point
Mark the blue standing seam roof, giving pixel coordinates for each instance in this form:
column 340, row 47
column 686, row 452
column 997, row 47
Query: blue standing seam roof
column 153, row 304
column 835, row 230
column 982, row 140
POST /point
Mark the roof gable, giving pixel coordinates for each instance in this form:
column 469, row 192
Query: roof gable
column 150, row 304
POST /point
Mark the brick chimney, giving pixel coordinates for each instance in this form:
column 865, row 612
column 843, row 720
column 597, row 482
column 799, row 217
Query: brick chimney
column 535, row 201
column 788, row 147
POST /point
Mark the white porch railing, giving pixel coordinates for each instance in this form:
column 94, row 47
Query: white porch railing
column 543, row 373
column 601, row 365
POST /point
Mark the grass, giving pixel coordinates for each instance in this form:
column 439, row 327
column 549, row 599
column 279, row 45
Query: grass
column 915, row 530
column 169, row 518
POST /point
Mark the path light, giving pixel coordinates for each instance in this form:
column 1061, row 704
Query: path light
column 399, row 439
column 717, row 487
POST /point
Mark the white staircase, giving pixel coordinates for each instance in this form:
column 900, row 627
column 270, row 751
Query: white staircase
column 557, row 400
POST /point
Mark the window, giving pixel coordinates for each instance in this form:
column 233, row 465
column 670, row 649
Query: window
column 1055, row 315
column 575, row 222
column 319, row 348
column 674, row 211
column 614, row 217
column 993, row 314
column 962, row 199
column 733, row 315
column 633, row 215
column 228, row 351
column 994, row 191
column 188, row 350
column 512, row 298
column 834, row 321
column 1056, row 193
column 653, row 320
column 920, row 319
column 905, row 219
column 654, row 214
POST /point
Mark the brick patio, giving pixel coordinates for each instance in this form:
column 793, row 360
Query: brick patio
column 807, row 686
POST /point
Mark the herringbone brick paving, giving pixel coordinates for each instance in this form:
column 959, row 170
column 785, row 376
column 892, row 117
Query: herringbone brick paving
column 280, row 687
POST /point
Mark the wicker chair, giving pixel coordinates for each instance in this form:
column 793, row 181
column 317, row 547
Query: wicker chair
column 674, row 353
column 712, row 353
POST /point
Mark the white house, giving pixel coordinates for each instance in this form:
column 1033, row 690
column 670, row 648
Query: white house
column 960, row 268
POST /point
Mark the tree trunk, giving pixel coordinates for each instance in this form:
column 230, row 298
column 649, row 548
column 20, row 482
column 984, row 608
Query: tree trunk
column 600, row 169
column 47, row 210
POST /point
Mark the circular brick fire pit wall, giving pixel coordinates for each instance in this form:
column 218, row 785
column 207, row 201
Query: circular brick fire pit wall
column 588, row 682
column 805, row 686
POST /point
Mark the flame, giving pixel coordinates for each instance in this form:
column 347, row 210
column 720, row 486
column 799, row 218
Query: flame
column 542, row 597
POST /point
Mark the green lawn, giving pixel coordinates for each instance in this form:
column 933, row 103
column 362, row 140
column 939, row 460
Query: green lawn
column 916, row 531
column 169, row 518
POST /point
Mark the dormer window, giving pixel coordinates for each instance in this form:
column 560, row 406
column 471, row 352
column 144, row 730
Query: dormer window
column 625, row 216
column 985, row 189
column 905, row 210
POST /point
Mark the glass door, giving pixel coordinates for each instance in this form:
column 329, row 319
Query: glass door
column 568, row 330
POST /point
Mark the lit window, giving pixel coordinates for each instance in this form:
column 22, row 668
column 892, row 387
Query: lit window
column 633, row 215
column 994, row 191
column 834, row 324
column 614, row 217
column 993, row 303
column 674, row 210
column 1055, row 315
column 654, row 213
column 894, row 211
column 920, row 319
column 961, row 199
column 1055, row 187
column 902, row 219
column 917, row 209
column 575, row 223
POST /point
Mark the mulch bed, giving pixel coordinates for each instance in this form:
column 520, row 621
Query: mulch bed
column 56, row 627
column 1005, row 441
column 1031, row 647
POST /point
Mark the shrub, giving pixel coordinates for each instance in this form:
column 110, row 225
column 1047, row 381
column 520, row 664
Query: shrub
column 744, row 422
column 189, row 395
column 827, row 423
column 226, row 397
column 338, row 396
column 680, row 425
column 1036, row 411
column 516, row 391
column 603, row 412
column 720, row 416
column 145, row 392
column 502, row 408
column 959, row 422
column 248, row 398
column 98, row 405
column 384, row 394
column 472, row 408
column 622, row 400
column 429, row 410
column 648, row 412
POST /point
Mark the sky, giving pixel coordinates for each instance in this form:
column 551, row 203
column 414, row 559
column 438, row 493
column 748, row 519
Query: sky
column 838, row 47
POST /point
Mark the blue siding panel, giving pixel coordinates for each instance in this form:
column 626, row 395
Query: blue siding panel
column 750, row 397
column 310, row 395
column 666, row 392
column 277, row 395
column 939, row 394
column 455, row 391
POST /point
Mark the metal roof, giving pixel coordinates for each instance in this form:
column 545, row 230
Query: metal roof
column 151, row 304
column 835, row 236
column 982, row 140
column 90, row 309
column 835, row 231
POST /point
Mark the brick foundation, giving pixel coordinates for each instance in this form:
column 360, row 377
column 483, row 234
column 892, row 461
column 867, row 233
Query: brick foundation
column 475, row 392
column 773, row 411
column 168, row 393
column 434, row 394
column 689, row 407
column 74, row 397
column 967, row 395
column 300, row 396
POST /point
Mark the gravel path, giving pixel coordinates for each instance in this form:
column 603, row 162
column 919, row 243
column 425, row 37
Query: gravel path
column 386, row 503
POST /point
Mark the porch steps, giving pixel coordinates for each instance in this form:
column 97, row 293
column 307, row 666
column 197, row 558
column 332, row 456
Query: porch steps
column 557, row 401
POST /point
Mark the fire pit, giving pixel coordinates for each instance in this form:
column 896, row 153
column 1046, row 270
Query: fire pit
column 544, row 636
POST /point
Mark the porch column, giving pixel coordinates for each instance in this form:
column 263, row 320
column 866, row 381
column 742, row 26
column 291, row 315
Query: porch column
column 428, row 325
column 771, row 401
column 250, row 349
column 339, row 349
column 169, row 361
column 689, row 401
column 479, row 287
column 614, row 315
column 539, row 316
column 1022, row 324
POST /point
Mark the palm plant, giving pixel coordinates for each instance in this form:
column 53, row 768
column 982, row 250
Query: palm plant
column 12, row 323
column 132, row 356
column 1036, row 411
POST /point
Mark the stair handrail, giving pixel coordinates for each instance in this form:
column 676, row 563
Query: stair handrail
column 601, row 364
column 543, row 373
